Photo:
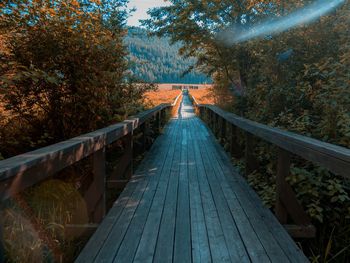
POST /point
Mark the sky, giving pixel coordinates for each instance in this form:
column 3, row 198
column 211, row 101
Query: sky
column 141, row 9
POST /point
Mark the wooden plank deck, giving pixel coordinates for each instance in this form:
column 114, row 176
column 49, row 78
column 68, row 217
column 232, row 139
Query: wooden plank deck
column 187, row 203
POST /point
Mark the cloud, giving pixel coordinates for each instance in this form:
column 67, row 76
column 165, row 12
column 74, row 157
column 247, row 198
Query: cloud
column 142, row 7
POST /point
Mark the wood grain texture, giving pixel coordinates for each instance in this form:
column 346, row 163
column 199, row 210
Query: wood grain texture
column 190, row 206
column 25, row 170
column 333, row 157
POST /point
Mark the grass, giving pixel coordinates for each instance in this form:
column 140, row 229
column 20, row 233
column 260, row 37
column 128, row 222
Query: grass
column 34, row 223
column 154, row 98
column 203, row 96
column 220, row 97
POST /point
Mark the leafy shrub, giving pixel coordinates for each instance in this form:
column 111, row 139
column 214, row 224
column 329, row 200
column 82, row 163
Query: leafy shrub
column 63, row 70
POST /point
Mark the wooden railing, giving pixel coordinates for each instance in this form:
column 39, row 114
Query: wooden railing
column 335, row 158
column 25, row 170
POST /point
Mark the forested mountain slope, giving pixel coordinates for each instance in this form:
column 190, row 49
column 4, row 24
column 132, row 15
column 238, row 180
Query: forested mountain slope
column 154, row 59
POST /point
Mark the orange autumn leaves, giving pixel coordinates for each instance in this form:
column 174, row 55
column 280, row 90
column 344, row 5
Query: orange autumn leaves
column 154, row 98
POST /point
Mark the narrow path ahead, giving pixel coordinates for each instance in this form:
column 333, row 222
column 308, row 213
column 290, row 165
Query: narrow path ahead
column 186, row 203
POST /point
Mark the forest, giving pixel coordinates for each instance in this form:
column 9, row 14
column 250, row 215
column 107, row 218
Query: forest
column 154, row 59
column 68, row 67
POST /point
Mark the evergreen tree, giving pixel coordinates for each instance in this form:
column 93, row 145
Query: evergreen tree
column 154, row 59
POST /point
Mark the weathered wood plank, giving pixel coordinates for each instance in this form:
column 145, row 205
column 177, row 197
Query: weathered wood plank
column 235, row 148
column 286, row 198
column 268, row 243
column 165, row 240
column 218, row 248
column 333, row 157
column 140, row 243
column 133, row 235
column 199, row 236
column 283, row 169
column 192, row 207
column 251, row 163
column 267, row 218
column 124, row 168
column 96, row 242
column 182, row 245
column 117, row 233
column 301, row 231
column 99, row 185
column 235, row 239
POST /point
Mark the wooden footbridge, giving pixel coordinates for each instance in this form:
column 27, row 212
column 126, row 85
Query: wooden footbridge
column 185, row 202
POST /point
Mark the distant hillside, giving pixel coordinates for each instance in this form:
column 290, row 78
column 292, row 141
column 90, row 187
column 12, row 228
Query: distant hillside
column 154, row 59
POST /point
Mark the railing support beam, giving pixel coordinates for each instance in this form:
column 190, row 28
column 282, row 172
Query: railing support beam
column 2, row 246
column 124, row 169
column 235, row 148
column 251, row 163
column 223, row 129
column 287, row 202
column 145, row 134
column 283, row 167
column 158, row 122
column 95, row 196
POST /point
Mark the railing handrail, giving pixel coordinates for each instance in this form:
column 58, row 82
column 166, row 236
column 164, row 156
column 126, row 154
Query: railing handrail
column 176, row 99
column 43, row 162
column 195, row 100
column 333, row 157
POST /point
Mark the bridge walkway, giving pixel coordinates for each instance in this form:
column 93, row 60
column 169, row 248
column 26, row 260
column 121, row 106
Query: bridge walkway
column 187, row 203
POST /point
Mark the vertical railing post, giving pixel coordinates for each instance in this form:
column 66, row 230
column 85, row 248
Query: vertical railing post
column 210, row 118
column 283, row 169
column 206, row 115
column 145, row 129
column 213, row 121
column 287, row 204
column 234, row 146
column 96, row 196
column 2, row 246
column 251, row 163
column 223, row 128
column 129, row 149
column 162, row 117
column 122, row 173
column 216, row 124
column 158, row 122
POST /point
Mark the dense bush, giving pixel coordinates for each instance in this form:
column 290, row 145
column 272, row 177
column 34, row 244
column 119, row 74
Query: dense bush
column 63, row 71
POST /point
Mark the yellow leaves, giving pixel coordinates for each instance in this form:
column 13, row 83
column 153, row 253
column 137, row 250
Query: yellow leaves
column 250, row 4
column 98, row 2
column 75, row 3
column 51, row 11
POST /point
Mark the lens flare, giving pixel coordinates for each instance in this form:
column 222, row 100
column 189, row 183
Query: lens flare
column 305, row 15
